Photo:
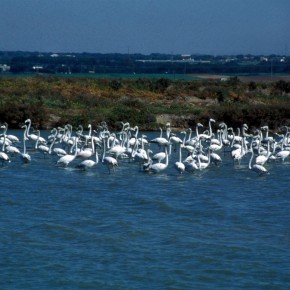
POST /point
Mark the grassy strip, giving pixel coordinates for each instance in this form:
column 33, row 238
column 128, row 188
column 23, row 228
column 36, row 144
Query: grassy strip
column 53, row 101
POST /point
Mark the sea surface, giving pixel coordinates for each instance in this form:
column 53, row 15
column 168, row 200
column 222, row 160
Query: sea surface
column 221, row 228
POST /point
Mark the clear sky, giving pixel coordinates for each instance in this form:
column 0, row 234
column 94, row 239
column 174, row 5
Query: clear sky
column 215, row 27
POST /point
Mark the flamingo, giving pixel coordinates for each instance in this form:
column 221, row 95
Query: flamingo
column 159, row 167
column 266, row 138
column 239, row 152
column 68, row 158
column 86, row 153
column 205, row 136
column 191, row 166
column 41, row 148
column 215, row 158
column 203, row 165
column 283, row 154
column 179, row 165
column 262, row 159
column 159, row 156
column 12, row 138
column 33, row 137
column 25, row 157
column 140, row 155
column 10, row 149
column 58, row 151
column 3, row 138
column 225, row 141
column 89, row 135
column 190, row 141
column 117, row 149
column 176, row 140
column 160, row 141
column 214, row 146
column 3, row 156
column 108, row 161
column 259, row 169
column 88, row 163
column 134, row 138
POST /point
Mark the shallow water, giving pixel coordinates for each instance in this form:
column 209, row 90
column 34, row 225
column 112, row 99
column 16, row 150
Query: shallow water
column 222, row 228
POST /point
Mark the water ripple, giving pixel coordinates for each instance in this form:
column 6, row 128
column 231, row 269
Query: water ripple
column 222, row 228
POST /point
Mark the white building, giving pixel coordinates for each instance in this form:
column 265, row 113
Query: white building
column 4, row 68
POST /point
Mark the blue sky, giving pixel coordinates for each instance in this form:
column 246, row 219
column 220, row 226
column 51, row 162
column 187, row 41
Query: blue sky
column 214, row 27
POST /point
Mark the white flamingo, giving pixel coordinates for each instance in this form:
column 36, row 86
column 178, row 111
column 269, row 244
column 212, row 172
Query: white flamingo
column 160, row 141
column 179, row 165
column 159, row 167
column 33, row 137
column 215, row 158
column 283, row 154
column 205, row 136
column 5, row 140
column 24, row 156
column 262, row 159
column 259, row 169
column 86, row 153
column 117, row 150
column 88, row 163
column 3, row 156
column 10, row 149
column 159, row 156
column 175, row 140
column 140, row 155
column 68, row 158
column 41, row 148
column 190, row 141
column 58, row 151
column 12, row 138
column 203, row 165
column 108, row 161
column 191, row 166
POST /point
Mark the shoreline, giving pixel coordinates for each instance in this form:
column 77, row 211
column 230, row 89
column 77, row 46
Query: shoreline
column 148, row 103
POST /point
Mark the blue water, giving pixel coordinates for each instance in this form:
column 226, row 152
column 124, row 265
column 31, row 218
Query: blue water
column 222, row 228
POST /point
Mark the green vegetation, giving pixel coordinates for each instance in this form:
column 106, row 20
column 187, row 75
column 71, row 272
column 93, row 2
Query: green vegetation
column 54, row 101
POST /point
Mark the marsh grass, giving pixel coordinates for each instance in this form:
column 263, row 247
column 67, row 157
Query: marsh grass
column 139, row 101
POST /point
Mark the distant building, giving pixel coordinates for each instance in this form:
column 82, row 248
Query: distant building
column 37, row 67
column 186, row 57
column 4, row 68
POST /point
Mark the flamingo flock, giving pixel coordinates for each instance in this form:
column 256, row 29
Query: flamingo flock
column 186, row 151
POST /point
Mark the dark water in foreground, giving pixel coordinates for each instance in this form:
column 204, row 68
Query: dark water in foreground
column 223, row 228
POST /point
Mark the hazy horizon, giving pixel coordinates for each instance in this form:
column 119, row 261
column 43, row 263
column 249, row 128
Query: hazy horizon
column 146, row 54
column 224, row 27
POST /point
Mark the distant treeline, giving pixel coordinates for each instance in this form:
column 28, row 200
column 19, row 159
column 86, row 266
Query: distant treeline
column 51, row 63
